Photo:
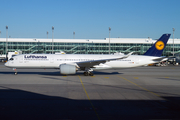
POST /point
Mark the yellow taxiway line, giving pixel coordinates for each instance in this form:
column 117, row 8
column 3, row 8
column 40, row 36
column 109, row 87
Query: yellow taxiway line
column 139, row 86
column 89, row 98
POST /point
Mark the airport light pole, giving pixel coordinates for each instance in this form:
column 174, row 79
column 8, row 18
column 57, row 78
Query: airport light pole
column 0, row 34
column 6, row 41
column 52, row 39
column 47, row 34
column 73, row 35
column 173, row 41
column 109, row 40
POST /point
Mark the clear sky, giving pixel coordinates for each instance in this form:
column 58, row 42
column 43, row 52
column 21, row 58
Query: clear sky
column 89, row 19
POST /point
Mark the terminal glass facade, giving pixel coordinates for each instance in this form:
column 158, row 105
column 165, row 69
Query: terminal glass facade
column 82, row 48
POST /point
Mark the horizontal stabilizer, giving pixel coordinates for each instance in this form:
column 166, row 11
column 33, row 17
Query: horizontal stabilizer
column 160, row 59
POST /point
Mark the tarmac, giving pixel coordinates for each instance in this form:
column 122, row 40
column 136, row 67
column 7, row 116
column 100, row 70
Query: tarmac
column 138, row 93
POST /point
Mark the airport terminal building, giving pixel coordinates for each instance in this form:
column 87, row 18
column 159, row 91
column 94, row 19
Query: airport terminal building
column 84, row 46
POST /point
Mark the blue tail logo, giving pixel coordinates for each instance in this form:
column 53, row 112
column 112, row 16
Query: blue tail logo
column 158, row 47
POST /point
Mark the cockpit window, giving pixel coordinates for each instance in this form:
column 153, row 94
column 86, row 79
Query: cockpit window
column 11, row 59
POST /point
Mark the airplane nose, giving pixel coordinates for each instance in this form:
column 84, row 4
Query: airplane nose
column 6, row 64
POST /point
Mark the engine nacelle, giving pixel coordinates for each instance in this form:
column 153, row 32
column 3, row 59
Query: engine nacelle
column 67, row 69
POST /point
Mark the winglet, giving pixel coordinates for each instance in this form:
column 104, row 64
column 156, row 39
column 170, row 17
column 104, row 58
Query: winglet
column 127, row 55
column 158, row 47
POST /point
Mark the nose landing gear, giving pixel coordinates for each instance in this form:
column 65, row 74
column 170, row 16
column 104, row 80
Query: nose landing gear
column 15, row 71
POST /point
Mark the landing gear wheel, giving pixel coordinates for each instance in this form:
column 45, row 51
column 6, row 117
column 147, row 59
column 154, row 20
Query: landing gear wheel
column 91, row 74
column 15, row 71
column 85, row 73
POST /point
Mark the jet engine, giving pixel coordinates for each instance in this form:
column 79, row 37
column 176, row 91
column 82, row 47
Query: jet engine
column 67, row 69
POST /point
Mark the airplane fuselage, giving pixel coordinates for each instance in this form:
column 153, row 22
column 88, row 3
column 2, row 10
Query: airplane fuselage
column 53, row 61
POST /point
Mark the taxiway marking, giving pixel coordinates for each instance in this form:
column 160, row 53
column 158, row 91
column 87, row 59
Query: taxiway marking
column 139, row 86
column 89, row 98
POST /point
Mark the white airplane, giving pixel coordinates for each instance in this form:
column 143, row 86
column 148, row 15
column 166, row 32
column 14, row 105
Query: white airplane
column 71, row 63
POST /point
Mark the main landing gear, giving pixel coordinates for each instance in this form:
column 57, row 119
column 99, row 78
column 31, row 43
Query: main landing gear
column 88, row 73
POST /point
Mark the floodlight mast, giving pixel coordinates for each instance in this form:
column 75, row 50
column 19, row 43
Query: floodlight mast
column 73, row 35
column 173, row 41
column 109, row 40
column 6, row 41
column 52, row 38
column 47, row 34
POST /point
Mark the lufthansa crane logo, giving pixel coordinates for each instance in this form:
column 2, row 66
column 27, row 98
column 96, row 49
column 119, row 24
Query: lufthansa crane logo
column 159, row 45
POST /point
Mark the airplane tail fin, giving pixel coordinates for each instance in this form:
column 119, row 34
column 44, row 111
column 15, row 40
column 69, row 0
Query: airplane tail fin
column 158, row 47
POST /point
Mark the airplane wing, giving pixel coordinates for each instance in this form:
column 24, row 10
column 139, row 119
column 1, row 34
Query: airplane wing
column 99, row 61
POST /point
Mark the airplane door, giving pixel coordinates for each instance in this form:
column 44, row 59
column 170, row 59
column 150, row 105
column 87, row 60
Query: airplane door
column 137, row 60
column 21, row 59
column 52, row 60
